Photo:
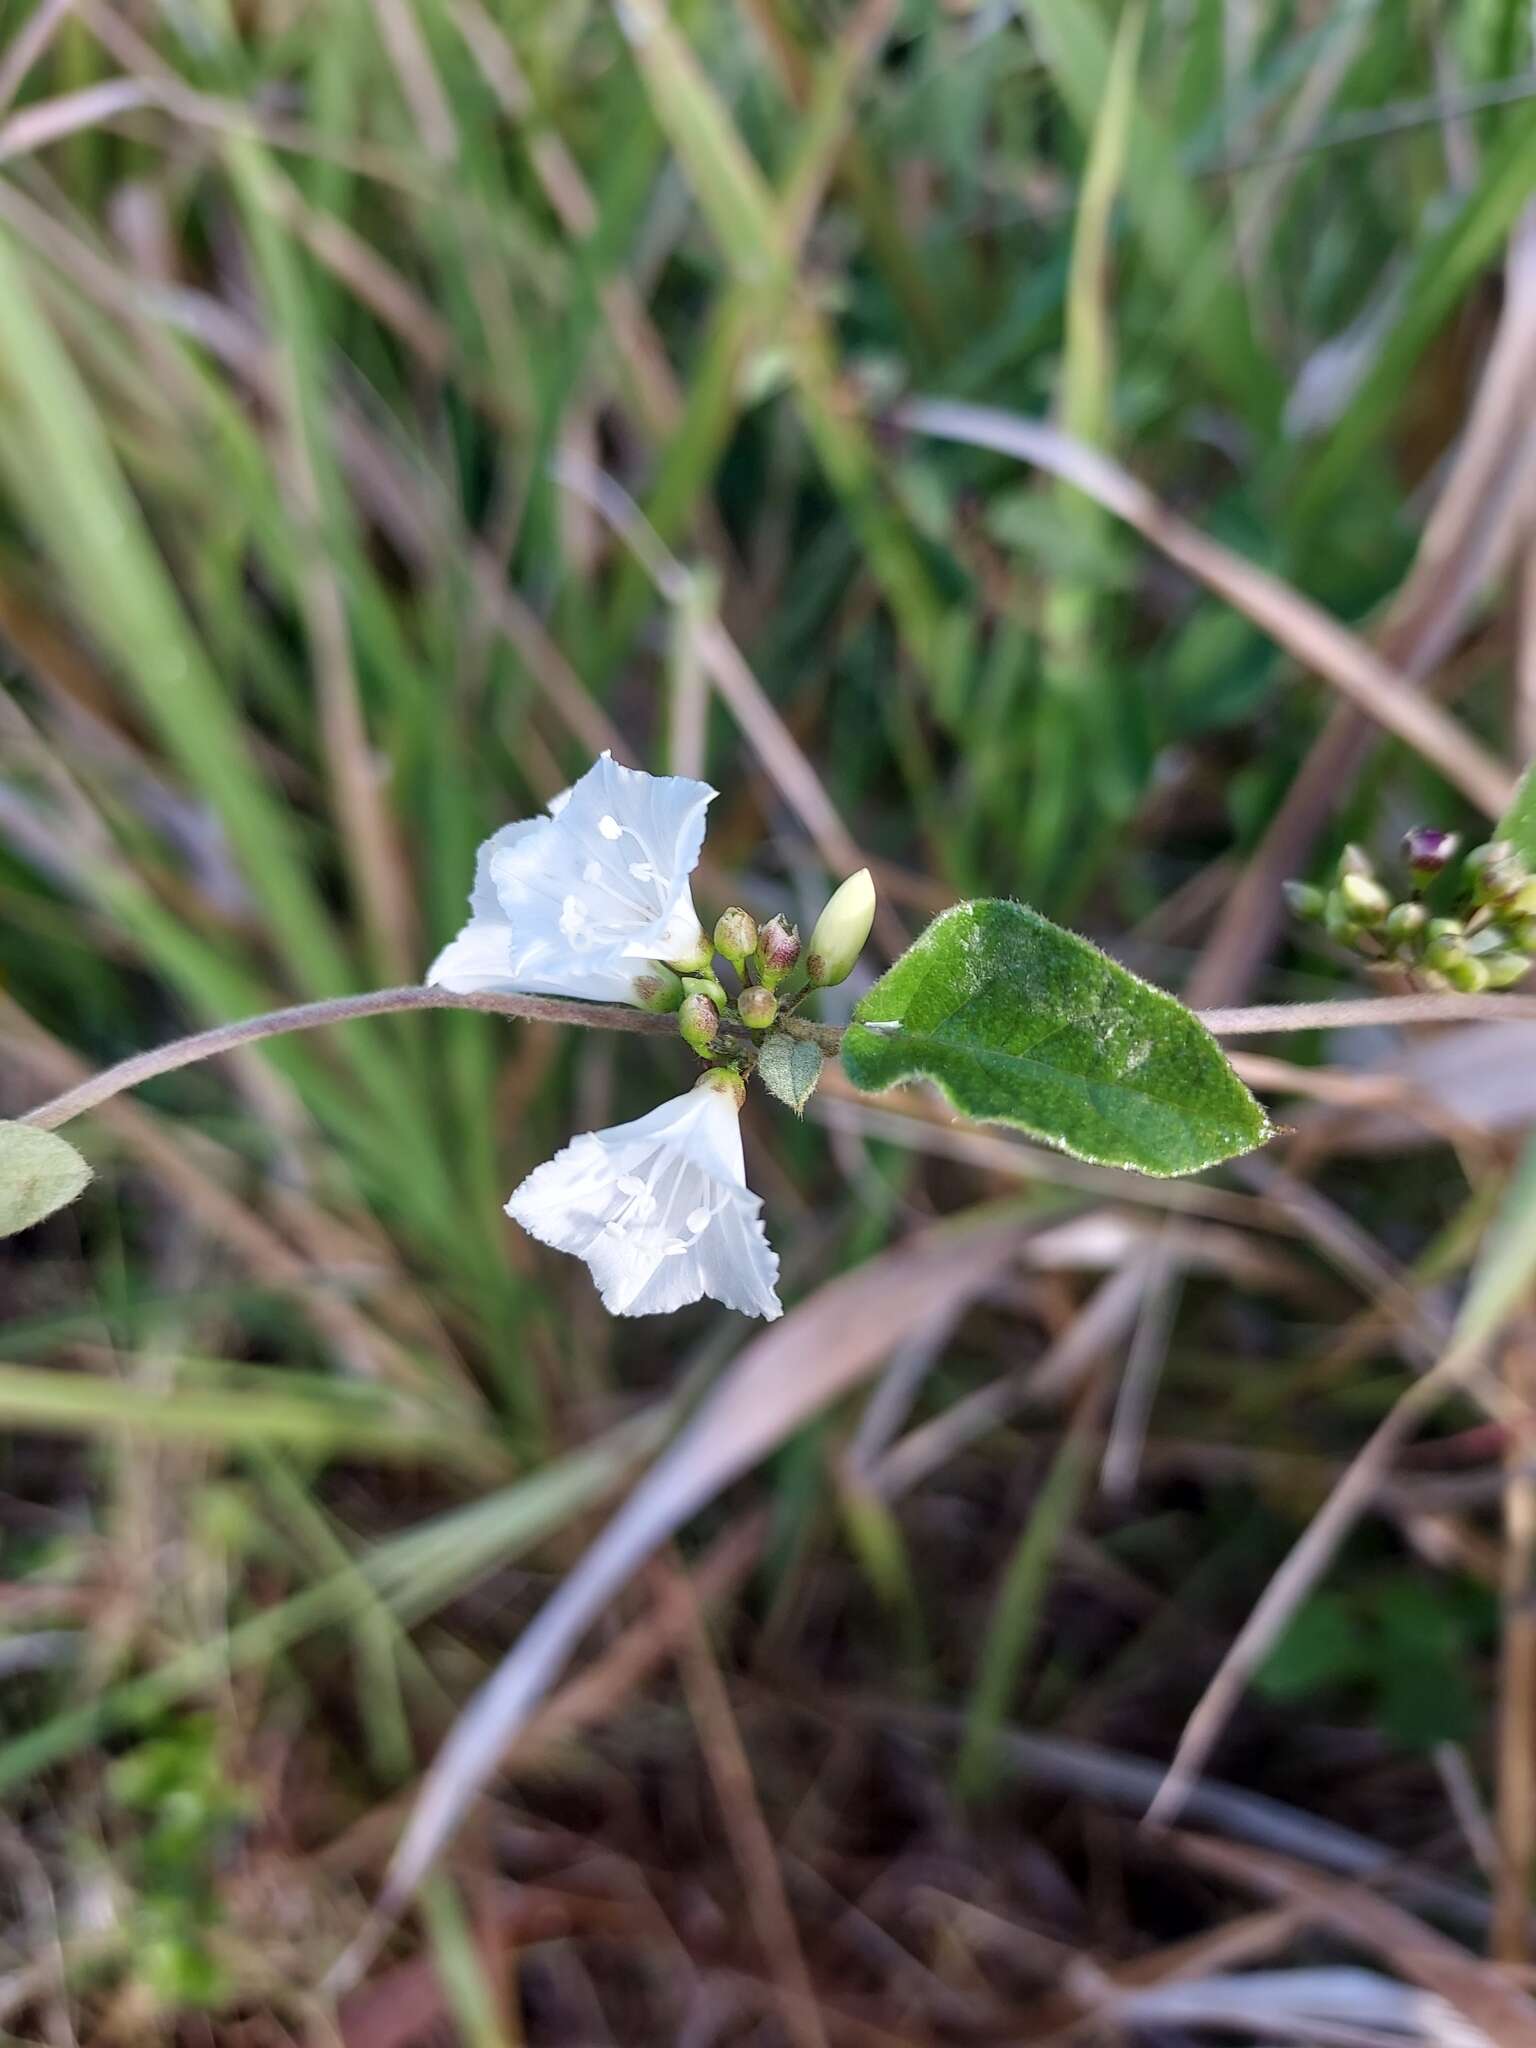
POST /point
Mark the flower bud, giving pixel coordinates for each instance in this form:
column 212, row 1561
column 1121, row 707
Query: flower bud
column 1304, row 901
column 1495, row 871
column 1470, row 977
column 1405, row 922
column 706, row 985
column 1505, row 967
column 1365, row 898
column 757, row 1008
column 1429, row 851
column 778, row 948
column 736, row 936
column 1338, row 919
column 699, row 1022
column 1354, row 860
column 841, row 931
column 1446, row 944
column 724, row 1081
column 696, row 959
column 657, row 987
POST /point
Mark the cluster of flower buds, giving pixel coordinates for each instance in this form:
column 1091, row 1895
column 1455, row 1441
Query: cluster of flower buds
column 767, row 961
column 1480, row 932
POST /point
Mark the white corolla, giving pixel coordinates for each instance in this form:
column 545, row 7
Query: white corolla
column 659, row 1208
column 576, row 903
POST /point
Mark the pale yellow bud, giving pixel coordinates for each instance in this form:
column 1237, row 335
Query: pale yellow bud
column 841, row 932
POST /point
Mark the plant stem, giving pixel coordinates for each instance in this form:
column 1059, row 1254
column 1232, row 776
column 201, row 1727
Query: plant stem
column 222, row 1038
column 206, row 1045
column 1352, row 1013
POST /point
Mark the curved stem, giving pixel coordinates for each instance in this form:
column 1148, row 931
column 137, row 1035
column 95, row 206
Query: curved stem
column 222, row 1038
column 205, row 1045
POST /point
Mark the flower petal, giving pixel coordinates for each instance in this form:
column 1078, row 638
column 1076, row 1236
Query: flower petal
column 609, row 874
column 480, row 958
column 659, row 1210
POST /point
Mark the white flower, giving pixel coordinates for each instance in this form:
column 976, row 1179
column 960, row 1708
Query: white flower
column 571, row 904
column 659, row 1209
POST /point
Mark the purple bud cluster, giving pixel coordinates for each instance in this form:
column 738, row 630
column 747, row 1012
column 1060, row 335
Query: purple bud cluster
column 1478, row 933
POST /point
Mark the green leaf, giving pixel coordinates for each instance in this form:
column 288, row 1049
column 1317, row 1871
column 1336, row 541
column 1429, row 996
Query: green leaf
column 1323, row 1645
column 39, row 1173
column 1019, row 1022
column 1518, row 824
column 789, row 1069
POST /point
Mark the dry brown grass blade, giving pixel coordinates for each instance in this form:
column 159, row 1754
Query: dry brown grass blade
column 923, row 1123
column 1104, row 1319
column 597, row 1692
column 1517, row 1672
column 749, row 703
column 1479, row 518
column 1319, row 642
column 1056, row 2021
column 29, row 44
column 1304, row 1566
column 1127, row 1783
column 1525, row 657
column 1478, row 1991
column 48, row 121
column 639, row 350
column 782, row 1376
column 420, row 86
column 752, row 1845
column 358, row 1345
column 425, row 530
column 366, row 829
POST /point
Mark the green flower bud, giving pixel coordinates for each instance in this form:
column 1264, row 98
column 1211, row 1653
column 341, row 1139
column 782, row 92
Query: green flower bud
column 757, row 1008
column 778, row 948
column 1405, row 922
column 1496, row 871
column 1444, row 928
column 1505, row 968
column 699, row 1022
column 657, row 987
column 726, row 1081
column 1304, row 901
column 1523, row 902
column 706, row 985
column 1523, row 934
column 841, row 931
column 1468, row 975
column 1445, row 951
column 1365, row 898
column 1354, row 860
column 1338, row 919
column 736, row 936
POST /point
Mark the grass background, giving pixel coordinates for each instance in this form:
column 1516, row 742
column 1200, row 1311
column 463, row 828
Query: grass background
column 401, row 400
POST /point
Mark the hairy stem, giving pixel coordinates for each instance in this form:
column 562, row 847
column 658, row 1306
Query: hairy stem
column 222, row 1038
column 206, row 1045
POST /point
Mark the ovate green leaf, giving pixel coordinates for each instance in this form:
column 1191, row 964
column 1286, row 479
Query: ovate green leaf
column 789, row 1069
column 1019, row 1022
column 39, row 1173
